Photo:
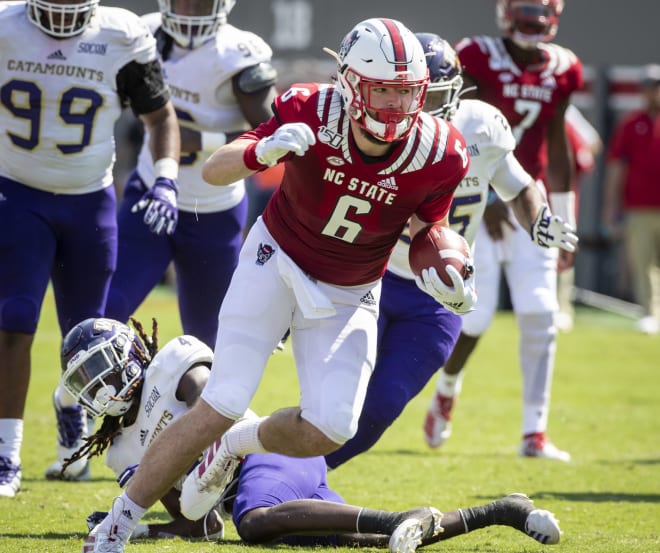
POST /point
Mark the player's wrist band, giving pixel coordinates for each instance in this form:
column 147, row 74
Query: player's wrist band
column 166, row 167
column 563, row 205
column 250, row 158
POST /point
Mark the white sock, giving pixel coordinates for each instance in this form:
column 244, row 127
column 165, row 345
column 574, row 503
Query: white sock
column 243, row 437
column 449, row 385
column 123, row 518
column 11, row 438
column 535, row 418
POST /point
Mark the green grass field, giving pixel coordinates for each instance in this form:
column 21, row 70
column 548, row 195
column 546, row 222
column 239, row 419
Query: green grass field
column 605, row 411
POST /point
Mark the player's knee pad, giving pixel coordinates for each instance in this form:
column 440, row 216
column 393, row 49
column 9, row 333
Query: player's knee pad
column 19, row 314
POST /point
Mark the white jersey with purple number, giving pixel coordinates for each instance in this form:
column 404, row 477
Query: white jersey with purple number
column 200, row 81
column 159, row 406
column 489, row 141
column 59, row 99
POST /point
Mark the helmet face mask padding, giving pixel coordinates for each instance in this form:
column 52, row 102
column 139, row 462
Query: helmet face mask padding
column 61, row 20
column 191, row 23
column 380, row 56
column 103, row 362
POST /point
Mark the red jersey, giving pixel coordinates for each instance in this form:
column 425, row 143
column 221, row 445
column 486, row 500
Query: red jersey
column 527, row 97
column 338, row 213
column 636, row 141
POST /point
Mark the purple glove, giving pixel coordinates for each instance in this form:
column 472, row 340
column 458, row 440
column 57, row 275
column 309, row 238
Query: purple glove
column 160, row 202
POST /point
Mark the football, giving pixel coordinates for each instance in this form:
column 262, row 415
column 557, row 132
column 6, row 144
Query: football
column 438, row 246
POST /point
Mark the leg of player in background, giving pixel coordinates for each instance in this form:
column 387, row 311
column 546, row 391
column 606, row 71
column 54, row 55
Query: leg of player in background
column 437, row 423
column 532, row 273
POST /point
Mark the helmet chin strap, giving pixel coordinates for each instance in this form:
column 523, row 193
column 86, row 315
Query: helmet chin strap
column 387, row 132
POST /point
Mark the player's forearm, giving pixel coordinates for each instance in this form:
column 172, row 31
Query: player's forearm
column 226, row 165
column 527, row 204
column 164, row 137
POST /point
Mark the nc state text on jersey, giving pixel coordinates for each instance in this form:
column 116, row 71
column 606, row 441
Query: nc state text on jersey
column 527, row 91
column 363, row 188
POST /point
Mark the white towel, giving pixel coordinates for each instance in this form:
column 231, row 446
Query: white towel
column 313, row 303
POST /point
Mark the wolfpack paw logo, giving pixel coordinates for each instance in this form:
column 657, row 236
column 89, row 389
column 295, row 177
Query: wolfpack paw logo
column 264, row 253
column 347, row 44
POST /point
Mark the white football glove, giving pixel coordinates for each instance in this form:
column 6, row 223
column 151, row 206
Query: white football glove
column 459, row 299
column 551, row 231
column 291, row 137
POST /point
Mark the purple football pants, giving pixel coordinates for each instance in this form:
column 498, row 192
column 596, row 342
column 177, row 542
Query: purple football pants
column 69, row 239
column 204, row 249
column 269, row 479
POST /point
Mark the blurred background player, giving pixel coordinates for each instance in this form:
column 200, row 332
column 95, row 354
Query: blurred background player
column 58, row 214
column 405, row 365
column 117, row 374
column 357, row 168
column 530, row 80
column 585, row 144
column 632, row 190
column 223, row 85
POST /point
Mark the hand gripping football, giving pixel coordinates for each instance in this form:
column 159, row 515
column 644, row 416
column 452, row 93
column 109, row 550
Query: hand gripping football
column 438, row 246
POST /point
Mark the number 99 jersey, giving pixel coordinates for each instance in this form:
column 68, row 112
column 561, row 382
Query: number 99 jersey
column 59, row 99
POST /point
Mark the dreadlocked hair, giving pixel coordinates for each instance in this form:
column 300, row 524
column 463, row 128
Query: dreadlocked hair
column 98, row 442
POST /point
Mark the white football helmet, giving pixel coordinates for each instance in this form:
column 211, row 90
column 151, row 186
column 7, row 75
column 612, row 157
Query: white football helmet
column 102, row 363
column 61, row 20
column 193, row 22
column 381, row 53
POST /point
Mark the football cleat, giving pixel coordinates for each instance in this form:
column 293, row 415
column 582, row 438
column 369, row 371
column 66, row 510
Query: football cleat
column 72, row 426
column 410, row 534
column 538, row 445
column 98, row 541
column 518, row 511
column 10, row 478
column 437, row 425
column 203, row 487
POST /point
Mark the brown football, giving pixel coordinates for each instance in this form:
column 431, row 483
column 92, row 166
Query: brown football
column 438, row 246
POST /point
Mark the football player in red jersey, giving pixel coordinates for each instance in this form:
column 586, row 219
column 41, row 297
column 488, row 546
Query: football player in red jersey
column 530, row 80
column 361, row 159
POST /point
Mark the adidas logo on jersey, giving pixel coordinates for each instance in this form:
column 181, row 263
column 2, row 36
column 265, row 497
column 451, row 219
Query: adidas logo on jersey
column 144, row 434
column 368, row 299
column 388, row 183
column 57, row 55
